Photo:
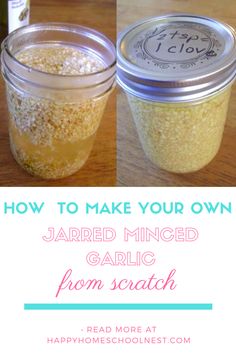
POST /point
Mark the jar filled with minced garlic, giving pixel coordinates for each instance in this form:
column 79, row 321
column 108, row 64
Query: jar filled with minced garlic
column 177, row 71
column 58, row 79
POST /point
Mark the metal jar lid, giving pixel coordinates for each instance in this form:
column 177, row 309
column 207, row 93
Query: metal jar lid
column 176, row 57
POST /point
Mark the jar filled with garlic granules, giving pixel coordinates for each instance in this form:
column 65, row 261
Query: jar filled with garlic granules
column 177, row 71
column 58, row 78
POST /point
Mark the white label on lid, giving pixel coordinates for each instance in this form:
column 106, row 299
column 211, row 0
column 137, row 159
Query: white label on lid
column 175, row 46
column 18, row 14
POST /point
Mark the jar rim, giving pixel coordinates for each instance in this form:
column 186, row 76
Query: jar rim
column 104, row 49
column 65, row 26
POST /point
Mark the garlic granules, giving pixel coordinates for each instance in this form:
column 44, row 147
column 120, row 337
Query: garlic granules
column 53, row 138
column 181, row 137
column 59, row 60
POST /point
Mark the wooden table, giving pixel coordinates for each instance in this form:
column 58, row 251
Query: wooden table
column 133, row 168
column 100, row 169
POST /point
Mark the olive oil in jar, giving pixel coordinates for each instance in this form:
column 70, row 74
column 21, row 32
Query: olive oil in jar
column 13, row 14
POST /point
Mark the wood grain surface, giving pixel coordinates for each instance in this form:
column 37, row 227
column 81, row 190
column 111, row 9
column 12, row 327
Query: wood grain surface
column 133, row 167
column 100, row 169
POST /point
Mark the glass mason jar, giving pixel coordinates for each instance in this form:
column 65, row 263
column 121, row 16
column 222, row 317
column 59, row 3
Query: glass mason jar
column 58, row 79
column 177, row 71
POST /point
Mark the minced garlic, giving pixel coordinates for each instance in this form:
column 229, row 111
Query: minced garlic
column 60, row 60
column 181, row 137
column 53, row 138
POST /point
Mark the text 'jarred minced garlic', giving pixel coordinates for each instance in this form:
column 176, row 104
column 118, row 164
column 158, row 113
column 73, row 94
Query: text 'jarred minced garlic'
column 177, row 71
